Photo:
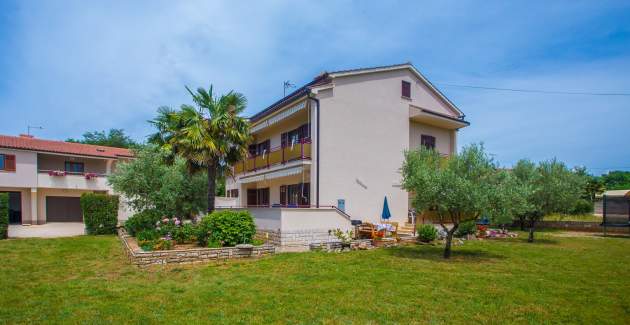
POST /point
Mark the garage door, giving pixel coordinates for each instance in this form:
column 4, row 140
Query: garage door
column 63, row 209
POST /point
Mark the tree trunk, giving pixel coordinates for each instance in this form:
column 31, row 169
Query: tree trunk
column 449, row 241
column 531, row 231
column 212, row 184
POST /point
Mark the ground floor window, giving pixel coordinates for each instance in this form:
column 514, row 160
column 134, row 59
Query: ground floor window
column 258, row 197
column 232, row 193
column 295, row 194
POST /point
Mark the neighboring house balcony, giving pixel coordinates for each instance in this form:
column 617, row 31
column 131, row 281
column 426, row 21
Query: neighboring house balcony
column 61, row 179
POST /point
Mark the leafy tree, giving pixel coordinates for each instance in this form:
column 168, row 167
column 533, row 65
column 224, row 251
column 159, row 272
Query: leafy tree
column 617, row 180
column 593, row 185
column 114, row 138
column 550, row 187
column 460, row 188
column 209, row 137
column 149, row 183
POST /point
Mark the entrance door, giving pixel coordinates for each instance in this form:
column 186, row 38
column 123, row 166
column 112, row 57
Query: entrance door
column 15, row 207
column 63, row 209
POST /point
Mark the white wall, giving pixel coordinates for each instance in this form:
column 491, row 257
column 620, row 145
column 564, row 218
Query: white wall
column 365, row 130
column 443, row 137
column 25, row 174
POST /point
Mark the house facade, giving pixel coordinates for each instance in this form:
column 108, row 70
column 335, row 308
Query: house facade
column 45, row 179
column 332, row 150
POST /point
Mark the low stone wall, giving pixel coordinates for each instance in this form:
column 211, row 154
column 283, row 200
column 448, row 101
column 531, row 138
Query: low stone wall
column 271, row 237
column 576, row 226
column 191, row 256
column 336, row 246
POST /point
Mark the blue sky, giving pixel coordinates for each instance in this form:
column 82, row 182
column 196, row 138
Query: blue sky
column 75, row 66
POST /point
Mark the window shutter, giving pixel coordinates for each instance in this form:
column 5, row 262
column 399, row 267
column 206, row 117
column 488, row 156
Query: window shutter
column 9, row 163
column 406, row 89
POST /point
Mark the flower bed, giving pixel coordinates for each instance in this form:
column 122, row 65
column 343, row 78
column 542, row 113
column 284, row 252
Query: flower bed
column 188, row 254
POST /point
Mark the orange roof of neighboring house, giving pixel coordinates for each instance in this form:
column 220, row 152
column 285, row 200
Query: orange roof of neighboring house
column 25, row 142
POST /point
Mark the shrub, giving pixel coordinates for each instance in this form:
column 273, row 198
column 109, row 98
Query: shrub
column 100, row 213
column 466, row 228
column 185, row 234
column 427, row 233
column 582, row 206
column 147, row 235
column 144, row 220
column 229, row 228
column 4, row 215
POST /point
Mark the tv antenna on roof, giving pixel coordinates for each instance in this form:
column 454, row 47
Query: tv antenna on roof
column 287, row 85
column 28, row 130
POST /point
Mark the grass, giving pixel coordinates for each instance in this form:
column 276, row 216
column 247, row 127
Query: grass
column 570, row 217
column 556, row 280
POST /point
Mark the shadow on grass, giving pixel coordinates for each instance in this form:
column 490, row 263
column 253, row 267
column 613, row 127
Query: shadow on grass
column 435, row 253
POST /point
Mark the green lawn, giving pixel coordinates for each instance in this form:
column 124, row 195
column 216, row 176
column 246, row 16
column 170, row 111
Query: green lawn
column 557, row 280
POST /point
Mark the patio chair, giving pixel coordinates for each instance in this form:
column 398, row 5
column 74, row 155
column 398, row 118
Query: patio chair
column 366, row 230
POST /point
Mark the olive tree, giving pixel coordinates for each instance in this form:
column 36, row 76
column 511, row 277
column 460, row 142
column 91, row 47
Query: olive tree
column 549, row 187
column 459, row 188
column 148, row 182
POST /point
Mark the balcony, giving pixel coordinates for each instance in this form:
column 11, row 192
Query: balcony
column 72, row 180
column 276, row 156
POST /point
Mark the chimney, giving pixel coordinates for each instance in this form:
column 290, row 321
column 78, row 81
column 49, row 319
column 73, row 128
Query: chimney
column 26, row 136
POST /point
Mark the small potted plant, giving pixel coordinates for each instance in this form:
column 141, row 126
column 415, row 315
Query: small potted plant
column 344, row 237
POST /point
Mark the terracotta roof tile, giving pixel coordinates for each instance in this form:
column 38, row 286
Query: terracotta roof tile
column 34, row 144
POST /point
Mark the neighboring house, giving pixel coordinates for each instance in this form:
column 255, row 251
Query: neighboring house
column 46, row 178
column 332, row 150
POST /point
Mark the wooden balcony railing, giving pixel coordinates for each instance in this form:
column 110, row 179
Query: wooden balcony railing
column 277, row 155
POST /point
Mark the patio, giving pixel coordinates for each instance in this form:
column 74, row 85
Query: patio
column 48, row 230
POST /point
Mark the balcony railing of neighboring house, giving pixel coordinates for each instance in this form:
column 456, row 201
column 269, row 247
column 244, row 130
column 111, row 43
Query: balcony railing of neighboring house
column 276, row 156
column 62, row 173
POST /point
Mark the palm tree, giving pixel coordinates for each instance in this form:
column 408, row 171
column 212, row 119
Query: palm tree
column 210, row 136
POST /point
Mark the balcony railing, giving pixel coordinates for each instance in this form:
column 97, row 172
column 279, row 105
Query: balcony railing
column 276, row 156
column 87, row 175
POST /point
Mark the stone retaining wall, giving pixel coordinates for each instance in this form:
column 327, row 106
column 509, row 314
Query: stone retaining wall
column 191, row 256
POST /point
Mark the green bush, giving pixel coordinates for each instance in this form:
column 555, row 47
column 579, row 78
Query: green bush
column 427, row 233
column 4, row 215
column 185, row 233
column 582, row 206
column 466, row 228
column 100, row 213
column 228, row 228
column 144, row 220
column 147, row 235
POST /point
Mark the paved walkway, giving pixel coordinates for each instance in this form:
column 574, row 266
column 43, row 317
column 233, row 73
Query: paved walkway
column 48, row 230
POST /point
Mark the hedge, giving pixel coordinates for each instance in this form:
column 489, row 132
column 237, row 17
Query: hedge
column 4, row 215
column 226, row 228
column 100, row 213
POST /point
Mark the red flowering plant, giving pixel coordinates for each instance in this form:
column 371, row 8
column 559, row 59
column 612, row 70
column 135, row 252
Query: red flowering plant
column 56, row 173
column 89, row 176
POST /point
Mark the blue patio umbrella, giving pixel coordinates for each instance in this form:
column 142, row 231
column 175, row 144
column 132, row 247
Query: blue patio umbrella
column 386, row 214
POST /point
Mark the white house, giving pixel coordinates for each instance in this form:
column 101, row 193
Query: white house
column 331, row 151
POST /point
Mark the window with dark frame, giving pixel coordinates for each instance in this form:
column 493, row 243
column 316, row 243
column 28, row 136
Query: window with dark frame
column 295, row 194
column 233, row 193
column 74, row 167
column 406, row 89
column 258, row 196
column 7, row 163
column 427, row 141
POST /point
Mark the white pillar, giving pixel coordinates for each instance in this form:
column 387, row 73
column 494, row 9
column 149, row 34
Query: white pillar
column 108, row 167
column 34, row 199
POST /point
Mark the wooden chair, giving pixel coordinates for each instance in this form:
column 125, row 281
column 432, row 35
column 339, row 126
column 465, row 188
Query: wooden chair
column 366, row 230
column 395, row 225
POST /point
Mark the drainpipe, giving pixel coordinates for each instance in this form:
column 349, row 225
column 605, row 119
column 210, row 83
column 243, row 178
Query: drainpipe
column 317, row 150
